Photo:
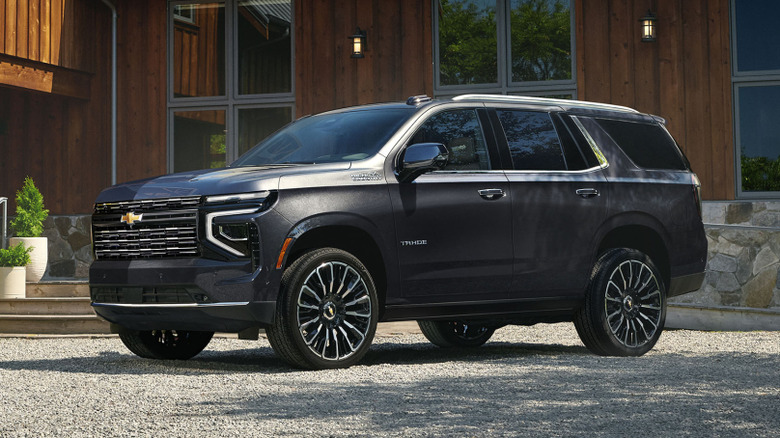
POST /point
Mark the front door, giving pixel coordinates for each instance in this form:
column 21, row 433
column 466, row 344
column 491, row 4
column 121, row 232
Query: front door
column 454, row 226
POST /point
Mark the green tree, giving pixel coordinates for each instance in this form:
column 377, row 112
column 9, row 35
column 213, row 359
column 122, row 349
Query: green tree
column 467, row 43
column 760, row 174
column 30, row 213
column 541, row 40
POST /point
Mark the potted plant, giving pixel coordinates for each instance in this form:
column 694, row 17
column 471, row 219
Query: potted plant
column 28, row 227
column 12, row 263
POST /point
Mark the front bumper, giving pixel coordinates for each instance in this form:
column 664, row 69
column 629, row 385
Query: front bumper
column 215, row 317
column 183, row 294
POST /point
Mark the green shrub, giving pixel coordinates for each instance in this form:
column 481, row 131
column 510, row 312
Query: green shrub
column 15, row 256
column 30, row 213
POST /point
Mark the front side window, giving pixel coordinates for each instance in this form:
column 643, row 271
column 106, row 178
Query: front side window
column 533, row 142
column 755, row 48
column 505, row 46
column 461, row 133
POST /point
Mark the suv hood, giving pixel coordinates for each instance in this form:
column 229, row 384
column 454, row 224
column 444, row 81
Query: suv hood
column 211, row 182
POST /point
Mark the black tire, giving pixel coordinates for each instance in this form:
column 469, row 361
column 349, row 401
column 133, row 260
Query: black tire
column 448, row 334
column 165, row 344
column 625, row 305
column 327, row 311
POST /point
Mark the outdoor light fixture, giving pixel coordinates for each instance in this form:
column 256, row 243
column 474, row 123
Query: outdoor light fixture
column 358, row 43
column 648, row 27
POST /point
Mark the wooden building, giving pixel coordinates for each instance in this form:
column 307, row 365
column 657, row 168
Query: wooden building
column 198, row 83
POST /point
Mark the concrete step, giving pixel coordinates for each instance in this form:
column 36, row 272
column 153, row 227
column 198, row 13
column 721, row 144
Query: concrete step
column 46, row 306
column 53, row 324
column 51, row 289
column 721, row 318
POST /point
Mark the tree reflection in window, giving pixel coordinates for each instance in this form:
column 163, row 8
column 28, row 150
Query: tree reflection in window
column 460, row 132
column 532, row 139
column 541, row 40
column 467, row 42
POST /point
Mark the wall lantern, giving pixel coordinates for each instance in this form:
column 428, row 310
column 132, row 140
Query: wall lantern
column 358, row 43
column 648, row 27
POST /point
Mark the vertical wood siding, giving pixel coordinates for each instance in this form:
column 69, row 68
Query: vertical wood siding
column 684, row 76
column 61, row 142
column 42, row 30
column 398, row 57
column 64, row 143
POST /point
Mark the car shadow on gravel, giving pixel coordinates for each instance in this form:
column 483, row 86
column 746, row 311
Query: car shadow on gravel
column 263, row 360
column 386, row 354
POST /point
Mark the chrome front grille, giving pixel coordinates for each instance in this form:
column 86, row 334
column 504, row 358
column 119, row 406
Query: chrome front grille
column 167, row 228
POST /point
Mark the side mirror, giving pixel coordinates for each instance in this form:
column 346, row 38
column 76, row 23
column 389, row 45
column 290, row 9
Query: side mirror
column 420, row 158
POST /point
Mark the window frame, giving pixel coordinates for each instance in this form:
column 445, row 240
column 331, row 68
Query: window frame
column 505, row 85
column 232, row 102
column 741, row 80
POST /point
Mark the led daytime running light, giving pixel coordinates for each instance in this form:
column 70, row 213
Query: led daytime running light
column 237, row 197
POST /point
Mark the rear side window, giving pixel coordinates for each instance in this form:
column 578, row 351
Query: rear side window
column 648, row 145
column 533, row 142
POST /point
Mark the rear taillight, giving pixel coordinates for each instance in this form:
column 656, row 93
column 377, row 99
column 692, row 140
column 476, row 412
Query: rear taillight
column 696, row 192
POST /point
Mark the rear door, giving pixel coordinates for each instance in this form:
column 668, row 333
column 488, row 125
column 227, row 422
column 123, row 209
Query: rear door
column 559, row 199
column 454, row 226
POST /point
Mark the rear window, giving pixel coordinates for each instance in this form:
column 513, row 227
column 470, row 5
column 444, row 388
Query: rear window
column 648, row 145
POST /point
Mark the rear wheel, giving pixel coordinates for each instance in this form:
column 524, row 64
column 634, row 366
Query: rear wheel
column 327, row 311
column 455, row 333
column 165, row 344
column 625, row 305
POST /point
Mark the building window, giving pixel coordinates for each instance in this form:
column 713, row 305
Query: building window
column 184, row 13
column 756, row 89
column 505, row 46
column 230, row 78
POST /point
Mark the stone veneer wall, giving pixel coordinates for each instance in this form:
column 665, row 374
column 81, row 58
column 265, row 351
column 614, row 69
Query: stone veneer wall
column 743, row 256
column 70, row 247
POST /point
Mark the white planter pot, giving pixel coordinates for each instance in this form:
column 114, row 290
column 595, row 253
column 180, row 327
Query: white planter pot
column 12, row 282
column 39, row 256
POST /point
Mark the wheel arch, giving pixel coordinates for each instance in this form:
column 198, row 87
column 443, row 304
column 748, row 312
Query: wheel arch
column 644, row 236
column 345, row 235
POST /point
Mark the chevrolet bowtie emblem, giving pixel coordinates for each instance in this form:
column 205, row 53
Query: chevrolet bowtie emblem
column 131, row 217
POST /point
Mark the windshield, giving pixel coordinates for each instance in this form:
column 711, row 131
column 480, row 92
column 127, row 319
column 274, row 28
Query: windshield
column 328, row 138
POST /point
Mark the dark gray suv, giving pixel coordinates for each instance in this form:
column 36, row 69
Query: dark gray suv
column 465, row 214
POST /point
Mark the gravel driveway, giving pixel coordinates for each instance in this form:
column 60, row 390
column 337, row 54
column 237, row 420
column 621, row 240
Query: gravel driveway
column 527, row 381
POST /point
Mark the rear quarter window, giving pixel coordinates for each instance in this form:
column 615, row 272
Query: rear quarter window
column 647, row 145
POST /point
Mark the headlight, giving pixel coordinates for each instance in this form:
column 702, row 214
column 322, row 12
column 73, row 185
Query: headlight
column 232, row 237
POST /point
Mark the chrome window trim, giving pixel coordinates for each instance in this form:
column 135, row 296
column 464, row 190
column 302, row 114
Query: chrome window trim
column 592, row 143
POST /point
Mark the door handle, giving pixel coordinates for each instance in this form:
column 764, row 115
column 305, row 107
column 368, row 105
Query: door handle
column 491, row 194
column 587, row 193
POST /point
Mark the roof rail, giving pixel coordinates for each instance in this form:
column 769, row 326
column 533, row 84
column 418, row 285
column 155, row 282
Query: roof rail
column 416, row 100
column 544, row 100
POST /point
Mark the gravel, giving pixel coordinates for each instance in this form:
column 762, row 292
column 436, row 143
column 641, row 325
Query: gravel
column 531, row 381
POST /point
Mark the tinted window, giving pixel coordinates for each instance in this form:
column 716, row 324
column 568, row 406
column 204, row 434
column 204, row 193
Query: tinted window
column 460, row 131
column 533, row 142
column 328, row 138
column 648, row 145
column 575, row 159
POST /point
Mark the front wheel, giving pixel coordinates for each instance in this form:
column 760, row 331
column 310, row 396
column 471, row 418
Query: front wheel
column 455, row 333
column 165, row 344
column 327, row 311
column 625, row 305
